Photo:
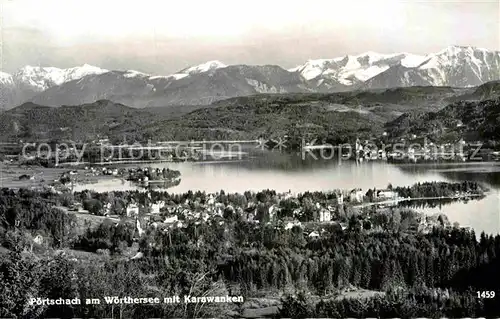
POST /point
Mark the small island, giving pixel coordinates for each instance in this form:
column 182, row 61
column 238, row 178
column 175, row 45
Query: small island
column 147, row 177
column 148, row 174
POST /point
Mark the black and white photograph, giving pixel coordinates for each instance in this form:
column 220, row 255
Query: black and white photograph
column 249, row 159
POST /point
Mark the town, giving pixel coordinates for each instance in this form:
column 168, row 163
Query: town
column 150, row 228
column 311, row 212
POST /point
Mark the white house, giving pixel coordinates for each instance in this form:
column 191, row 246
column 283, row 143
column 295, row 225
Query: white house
column 356, row 195
column 290, row 225
column 132, row 210
column 138, row 227
column 325, row 216
column 273, row 210
column 340, row 199
column 314, row 234
column 107, row 209
column 411, row 153
column 38, row 239
column 251, row 217
column 386, row 194
column 171, row 220
column 179, row 224
column 211, row 200
column 297, row 212
column 155, row 208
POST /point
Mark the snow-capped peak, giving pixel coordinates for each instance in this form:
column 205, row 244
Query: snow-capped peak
column 197, row 69
column 412, row 60
column 204, row 67
column 459, row 66
column 457, row 49
column 81, row 71
column 134, row 73
column 372, row 57
column 351, row 69
column 6, row 78
column 450, row 55
column 42, row 78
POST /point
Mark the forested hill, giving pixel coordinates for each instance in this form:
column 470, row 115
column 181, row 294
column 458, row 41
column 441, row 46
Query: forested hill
column 85, row 122
column 332, row 117
column 271, row 116
column 488, row 90
column 250, row 117
column 472, row 120
column 416, row 95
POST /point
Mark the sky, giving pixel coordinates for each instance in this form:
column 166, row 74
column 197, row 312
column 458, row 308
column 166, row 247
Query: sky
column 162, row 37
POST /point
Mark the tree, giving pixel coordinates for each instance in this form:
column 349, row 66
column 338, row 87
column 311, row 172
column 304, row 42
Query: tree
column 18, row 284
column 94, row 206
column 11, row 216
column 53, row 287
column 298, row 306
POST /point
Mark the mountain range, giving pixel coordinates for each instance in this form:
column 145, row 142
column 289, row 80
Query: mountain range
column 454, row 66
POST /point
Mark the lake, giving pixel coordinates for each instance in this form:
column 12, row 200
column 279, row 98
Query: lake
column 284, row 172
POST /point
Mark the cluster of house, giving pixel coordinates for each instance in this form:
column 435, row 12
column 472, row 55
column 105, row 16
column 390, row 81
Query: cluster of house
column 357, row 195
column 110, row 171
column 386, row 194
column 160, row 216
column 430, row 151
column 425, row 224
column 133, row 174
column 94, row 171
column 323, row 212
column 149, row 173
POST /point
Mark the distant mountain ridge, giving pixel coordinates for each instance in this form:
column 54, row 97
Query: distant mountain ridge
column 454, row 66
column 423, row 111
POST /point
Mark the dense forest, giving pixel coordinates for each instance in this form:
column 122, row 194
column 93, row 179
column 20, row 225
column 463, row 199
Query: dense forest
column 330, row 118
column 334, row 117
column 472, row 120
column 410, row 274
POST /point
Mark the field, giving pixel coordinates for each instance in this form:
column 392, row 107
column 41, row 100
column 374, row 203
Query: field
column 41, row 176
column 9, row 176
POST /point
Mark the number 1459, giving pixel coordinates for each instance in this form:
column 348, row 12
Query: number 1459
column 486, row 294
